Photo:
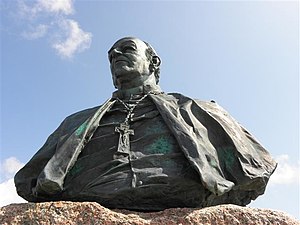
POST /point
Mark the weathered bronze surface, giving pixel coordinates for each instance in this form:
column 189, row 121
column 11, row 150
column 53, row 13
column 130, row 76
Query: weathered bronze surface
column 147, row 150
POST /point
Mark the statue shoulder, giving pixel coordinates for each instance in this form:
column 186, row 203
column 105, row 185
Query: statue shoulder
column 74, row 120
column 183, row 99
column 211, row 107
column 82, row 114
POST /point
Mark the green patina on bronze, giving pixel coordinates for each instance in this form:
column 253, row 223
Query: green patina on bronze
column 81, row 129
column 213, row 163
column 75, row 169
column 227, row 155
column 161, row 145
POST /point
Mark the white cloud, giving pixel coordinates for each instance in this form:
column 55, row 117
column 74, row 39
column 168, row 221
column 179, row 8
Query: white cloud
column 286, row 172
column 10, row 166
column 56, row 6
column 8, row 193
column 34, row 9
column 77, row 40
column 36, row 32
column 48, row 18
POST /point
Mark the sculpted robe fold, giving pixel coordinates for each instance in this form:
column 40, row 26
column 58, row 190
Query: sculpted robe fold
column 226, row 158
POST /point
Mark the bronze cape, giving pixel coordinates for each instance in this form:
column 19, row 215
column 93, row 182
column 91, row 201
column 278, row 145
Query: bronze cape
column 225, row 156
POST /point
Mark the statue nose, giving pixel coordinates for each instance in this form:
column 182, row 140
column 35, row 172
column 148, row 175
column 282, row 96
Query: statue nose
column 113, row 54
column 116, row 52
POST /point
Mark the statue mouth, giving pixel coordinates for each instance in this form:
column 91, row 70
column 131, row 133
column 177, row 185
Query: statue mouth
column 121, row 59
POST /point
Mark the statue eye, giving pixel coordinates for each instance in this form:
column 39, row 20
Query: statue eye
column 128, row 49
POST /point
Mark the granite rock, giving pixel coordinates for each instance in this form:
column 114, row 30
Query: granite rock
column 93, row 213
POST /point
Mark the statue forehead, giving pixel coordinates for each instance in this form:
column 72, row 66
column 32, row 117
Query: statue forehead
column 129, row 40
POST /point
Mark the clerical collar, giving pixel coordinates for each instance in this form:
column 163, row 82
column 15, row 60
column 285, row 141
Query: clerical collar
column 142, row 90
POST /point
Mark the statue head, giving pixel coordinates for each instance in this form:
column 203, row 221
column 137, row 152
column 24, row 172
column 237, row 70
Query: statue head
column 133, row 63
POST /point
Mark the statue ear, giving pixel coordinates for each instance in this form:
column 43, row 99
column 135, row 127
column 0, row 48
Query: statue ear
column 156, row 61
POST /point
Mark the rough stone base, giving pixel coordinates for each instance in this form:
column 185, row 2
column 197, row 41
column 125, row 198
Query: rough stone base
column 93, row 213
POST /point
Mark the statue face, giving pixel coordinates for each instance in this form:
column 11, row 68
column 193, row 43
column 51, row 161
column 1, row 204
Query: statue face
column 128, row 63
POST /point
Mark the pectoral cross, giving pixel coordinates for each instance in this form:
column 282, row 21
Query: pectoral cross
column 124, row 144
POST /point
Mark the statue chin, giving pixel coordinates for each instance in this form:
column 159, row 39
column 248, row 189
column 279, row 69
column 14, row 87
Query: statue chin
column 132, row 81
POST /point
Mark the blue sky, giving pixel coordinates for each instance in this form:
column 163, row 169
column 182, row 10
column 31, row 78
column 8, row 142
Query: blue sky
column 242, row 54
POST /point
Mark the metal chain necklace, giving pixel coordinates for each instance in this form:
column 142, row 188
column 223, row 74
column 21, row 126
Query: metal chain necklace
column 131, row 108
column 124, row 127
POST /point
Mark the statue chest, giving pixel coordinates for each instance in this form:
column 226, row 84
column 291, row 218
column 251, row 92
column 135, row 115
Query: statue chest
column 154, row 156
column 147, row 133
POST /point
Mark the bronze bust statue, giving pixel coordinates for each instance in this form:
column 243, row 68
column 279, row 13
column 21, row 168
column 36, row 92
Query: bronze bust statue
column 147, row 150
